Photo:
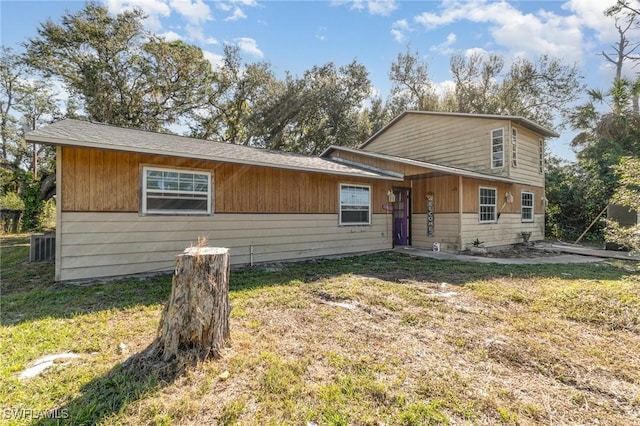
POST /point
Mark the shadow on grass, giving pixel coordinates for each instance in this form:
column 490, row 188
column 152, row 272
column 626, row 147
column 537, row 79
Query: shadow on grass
column 140, row 375
column 67, row 300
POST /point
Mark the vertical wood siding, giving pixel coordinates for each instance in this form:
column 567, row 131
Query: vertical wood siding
column 471, row 195
column 445, row 191
column 109, row 181
column 107, row 244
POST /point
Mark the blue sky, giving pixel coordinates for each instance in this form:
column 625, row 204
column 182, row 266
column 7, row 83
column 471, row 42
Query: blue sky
column 296, row 35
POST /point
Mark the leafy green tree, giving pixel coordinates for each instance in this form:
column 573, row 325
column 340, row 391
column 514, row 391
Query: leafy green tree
column 626, row 194
column 310, row 113
column 411, row 87
column 236, row 91
column 541, row 91
column 121, row 74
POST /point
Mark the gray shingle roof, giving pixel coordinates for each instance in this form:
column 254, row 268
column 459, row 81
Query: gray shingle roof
column 79, row 133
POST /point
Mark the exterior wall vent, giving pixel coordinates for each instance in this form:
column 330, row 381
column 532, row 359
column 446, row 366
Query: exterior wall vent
column 43, row 248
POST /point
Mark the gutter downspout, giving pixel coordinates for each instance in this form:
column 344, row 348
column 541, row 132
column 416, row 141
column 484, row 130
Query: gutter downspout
column 460, row 211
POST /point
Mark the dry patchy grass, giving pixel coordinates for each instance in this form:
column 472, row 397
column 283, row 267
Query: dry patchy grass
column 382, row 339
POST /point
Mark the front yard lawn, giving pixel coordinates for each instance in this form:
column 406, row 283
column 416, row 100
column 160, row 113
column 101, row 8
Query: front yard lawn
column 377, row 339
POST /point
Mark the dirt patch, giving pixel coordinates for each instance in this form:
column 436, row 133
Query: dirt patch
column 519, row 251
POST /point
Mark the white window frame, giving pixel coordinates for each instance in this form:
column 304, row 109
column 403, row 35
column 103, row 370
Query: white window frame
column 494, row 205
column 494, row 160
column 541, row 156
column 529, row 208
column 514, row 147
column 343, row 203
column 176, row 212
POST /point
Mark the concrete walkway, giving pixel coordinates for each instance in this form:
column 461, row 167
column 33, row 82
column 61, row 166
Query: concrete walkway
column 559, row 258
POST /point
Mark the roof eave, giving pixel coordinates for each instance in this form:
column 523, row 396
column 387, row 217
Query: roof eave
column 95, row 145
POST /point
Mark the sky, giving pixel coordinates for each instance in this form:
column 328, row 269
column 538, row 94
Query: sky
column 294, row 36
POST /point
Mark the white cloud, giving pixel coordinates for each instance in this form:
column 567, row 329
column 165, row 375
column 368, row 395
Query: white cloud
column 195, row 12
column 151, row 7
column 521, row 34
column 398, row 30
column 154, row 9
column 216, row 60
column 591, row 14
column 237, row 14
column 170, row 36
column 250, row 3
column 475, row 51
column 374, row 7
column 211, row 40
column 445, row 48
column 444, row 87
column 320, row 36
column 225, row 7
column 249, row 46
column 381, row 7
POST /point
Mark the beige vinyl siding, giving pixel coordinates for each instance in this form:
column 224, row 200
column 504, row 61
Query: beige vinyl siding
column 454, row 141
column 446, row 231
column 528, row 169
column 97, row 244
column 507, row 230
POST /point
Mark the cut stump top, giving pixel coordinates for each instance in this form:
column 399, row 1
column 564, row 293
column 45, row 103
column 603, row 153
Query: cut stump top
column 204, row 251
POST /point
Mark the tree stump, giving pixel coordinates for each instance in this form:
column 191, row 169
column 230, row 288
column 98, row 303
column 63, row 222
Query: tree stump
column 195, row 320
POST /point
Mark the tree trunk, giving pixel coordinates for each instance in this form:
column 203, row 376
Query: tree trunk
column 195, row 320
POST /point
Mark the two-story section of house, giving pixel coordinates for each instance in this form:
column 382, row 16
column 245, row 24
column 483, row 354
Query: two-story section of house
column 467, row 177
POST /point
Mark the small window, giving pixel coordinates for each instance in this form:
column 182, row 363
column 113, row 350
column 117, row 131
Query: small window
column 170, row 191
column 514, row 147
column 541, row 156
column 355, row 205
column 497, row 148
column 488, row 205
column 527, row 207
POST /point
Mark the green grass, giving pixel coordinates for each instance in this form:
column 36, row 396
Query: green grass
column 358, row 340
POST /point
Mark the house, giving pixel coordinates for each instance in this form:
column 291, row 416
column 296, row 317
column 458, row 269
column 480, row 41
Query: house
column 129, row 200
column 467, row 177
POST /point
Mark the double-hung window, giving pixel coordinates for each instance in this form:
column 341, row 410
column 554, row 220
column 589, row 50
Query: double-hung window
column 514, row 147
column 355, row 204
column 175, row 191
column 527, row 206
column 488, row 205
column 497, row 148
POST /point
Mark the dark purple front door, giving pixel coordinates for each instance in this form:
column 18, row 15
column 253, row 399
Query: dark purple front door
column 401, row 210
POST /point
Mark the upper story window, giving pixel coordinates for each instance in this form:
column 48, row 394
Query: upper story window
column 527, row 206
column 514, row 147
column 487, row 209
column 173, row 191
column 497, row 148
column 541, row 155
column 355, row 204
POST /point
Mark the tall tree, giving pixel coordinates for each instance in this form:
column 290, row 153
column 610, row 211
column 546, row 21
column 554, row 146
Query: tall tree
column 310, row 113
column 540, row 90
column 234, row 93
column 411, row 88
column 121, row 74
column 11, row 84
